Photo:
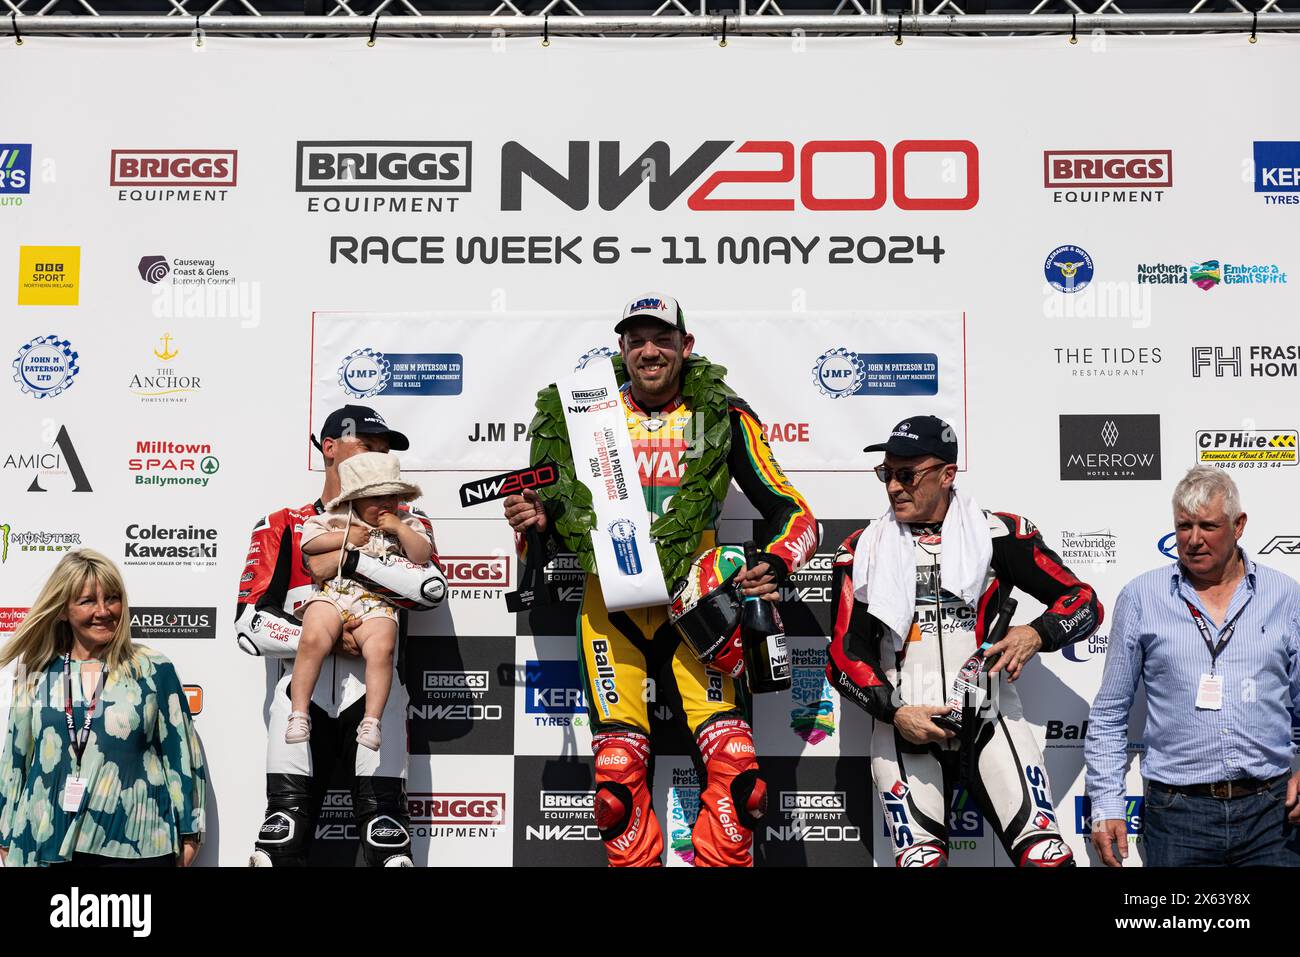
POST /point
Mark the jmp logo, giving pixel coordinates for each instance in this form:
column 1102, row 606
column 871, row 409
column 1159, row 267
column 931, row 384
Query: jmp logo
column 839, row 372
column 364, row 373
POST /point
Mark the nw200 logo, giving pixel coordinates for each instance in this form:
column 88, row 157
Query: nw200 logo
column 665, row 184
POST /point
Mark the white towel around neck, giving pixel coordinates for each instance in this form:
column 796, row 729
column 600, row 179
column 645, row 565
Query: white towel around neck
column 884, row 565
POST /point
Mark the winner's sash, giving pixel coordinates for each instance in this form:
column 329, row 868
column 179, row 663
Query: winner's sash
column 603, row 460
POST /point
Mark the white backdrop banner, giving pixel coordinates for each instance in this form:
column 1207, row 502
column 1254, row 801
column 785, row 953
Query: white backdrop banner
column 205, row 250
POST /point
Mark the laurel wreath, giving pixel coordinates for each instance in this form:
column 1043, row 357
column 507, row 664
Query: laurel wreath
column 676, row 533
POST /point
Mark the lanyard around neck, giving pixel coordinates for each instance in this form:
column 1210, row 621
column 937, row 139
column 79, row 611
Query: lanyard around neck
column 78, row 738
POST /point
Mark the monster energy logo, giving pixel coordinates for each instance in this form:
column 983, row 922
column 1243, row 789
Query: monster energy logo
column 4, row 543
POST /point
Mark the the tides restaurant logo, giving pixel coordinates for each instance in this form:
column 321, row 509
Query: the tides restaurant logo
column 184, row 175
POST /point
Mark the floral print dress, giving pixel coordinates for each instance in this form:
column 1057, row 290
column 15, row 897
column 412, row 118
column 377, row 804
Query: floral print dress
column 143, row 766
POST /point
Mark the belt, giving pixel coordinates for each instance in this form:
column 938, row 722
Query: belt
column 1223, row 790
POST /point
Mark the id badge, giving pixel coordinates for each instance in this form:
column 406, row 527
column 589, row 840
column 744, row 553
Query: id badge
column 1209, row 693
column 74, row 791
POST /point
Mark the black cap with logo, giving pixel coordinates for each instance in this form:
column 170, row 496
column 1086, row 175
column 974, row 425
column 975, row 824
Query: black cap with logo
column 920, row 435
column 360, row 420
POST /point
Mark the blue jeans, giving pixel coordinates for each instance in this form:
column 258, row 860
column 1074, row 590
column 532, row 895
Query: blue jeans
column 1183, row 830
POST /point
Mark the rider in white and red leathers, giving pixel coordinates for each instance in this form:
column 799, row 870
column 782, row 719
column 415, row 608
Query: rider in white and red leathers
column 274, row 585
column 1004, row 766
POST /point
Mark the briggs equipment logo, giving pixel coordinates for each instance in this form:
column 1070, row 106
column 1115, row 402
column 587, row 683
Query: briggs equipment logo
column 1108, row 176
column 384, row 166
column 476, row 576
column 173, row 171
column 441, row 810
column 923, row 184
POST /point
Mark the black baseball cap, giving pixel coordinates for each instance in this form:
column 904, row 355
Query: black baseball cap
column 360, row 420
column 653, row 305
column 920, row 435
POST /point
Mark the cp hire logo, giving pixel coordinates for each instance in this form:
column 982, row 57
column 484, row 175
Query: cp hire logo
column 1246, row 447
column 383, row 166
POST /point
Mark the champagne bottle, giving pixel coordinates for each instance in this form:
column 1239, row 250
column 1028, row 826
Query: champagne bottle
column 767, row 657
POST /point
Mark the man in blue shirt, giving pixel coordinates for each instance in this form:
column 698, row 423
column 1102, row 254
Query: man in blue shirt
column 1216, row 641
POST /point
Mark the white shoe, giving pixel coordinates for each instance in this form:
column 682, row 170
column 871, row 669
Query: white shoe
column 298, row 729
column 368, row 733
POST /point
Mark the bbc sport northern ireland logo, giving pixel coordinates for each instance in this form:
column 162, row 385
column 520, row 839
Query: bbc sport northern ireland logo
column 1068, row 269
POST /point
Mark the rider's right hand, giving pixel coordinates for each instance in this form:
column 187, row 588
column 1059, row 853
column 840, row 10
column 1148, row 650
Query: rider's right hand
column 915, row 723
column 525, row 511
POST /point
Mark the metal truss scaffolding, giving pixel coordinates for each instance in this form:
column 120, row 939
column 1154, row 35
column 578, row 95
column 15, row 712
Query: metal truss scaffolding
column 378, row 18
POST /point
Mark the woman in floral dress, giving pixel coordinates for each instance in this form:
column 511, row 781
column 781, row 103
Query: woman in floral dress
column 101, row 764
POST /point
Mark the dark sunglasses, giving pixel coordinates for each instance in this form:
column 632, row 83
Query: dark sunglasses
column 906, row 475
